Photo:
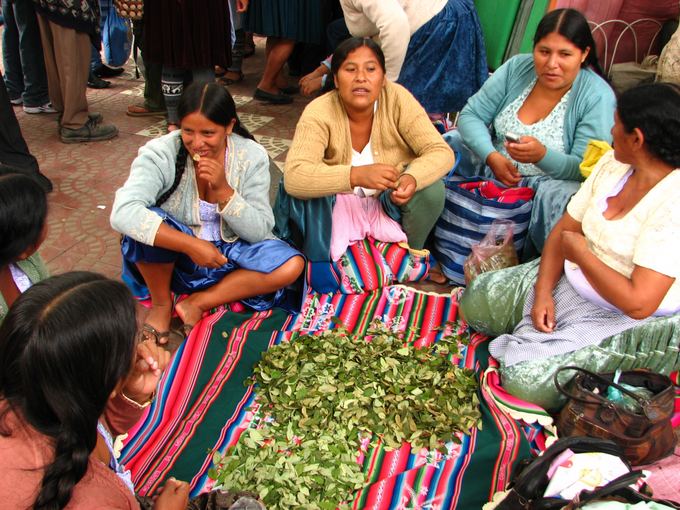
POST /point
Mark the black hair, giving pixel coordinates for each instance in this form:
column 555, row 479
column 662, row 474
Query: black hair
column 23, row 212
column 572, row 25
column 348, row 46
column 654, row 109
column 65, row 345
column 217, row 105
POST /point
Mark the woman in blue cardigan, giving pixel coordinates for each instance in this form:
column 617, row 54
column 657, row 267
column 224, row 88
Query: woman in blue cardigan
column 554, row 100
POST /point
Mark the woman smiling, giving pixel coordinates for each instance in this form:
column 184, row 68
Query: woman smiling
column 196, row 218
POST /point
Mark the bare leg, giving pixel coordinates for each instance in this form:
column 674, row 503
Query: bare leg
column 157, row 278
column 239, row 284
column 277, row 52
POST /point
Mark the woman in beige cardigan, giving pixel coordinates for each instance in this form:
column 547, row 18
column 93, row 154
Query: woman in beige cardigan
column 369, row 137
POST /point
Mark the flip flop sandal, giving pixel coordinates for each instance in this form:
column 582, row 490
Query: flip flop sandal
column 139, row 110
column 151, row 333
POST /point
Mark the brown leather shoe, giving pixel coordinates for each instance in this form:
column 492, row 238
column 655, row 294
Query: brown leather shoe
column 92, row 131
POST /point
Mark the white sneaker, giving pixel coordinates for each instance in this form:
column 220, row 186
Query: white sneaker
column 46, row 108
column 17, row 102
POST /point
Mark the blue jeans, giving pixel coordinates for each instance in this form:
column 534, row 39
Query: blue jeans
column 22, row 54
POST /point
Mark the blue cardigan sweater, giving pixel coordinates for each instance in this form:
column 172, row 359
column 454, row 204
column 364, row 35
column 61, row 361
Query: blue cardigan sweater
column 589, row 116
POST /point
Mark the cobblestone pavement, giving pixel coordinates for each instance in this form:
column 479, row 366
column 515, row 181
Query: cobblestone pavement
column 86, row 175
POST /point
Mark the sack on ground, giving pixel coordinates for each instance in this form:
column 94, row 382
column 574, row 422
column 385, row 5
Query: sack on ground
column 602, row 408
column 496, row 251
column 471, row 207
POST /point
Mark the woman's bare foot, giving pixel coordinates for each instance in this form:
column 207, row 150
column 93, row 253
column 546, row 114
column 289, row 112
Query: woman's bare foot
column 172, row 127
column 157, row 323
column 437, row 276
column 188, row 311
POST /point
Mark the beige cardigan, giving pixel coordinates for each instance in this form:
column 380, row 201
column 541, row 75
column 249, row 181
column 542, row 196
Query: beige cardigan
column 319, row 160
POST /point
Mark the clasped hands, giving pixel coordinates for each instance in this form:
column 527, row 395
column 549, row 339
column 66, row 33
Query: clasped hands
column 383, row 177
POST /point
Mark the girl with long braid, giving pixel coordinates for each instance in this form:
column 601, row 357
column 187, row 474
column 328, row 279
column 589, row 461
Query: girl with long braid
column 196, row 217
column 72, row 375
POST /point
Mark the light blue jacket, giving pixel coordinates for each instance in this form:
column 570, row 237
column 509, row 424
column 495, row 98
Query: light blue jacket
column 248, row 215
column 589, row 115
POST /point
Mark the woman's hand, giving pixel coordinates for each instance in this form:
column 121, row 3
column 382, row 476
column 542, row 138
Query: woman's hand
column 504, row 169
column 205, row 254
column 311, row 83
column 574, row 245
column 529, row 150
column 406, row 188
column 151, row 360
column 212, row 171
column 173, row 496
column 376, row 176
column 242, row 5
column 543, row 312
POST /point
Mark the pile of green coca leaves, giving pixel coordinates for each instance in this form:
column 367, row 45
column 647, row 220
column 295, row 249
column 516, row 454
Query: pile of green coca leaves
column 321, row 397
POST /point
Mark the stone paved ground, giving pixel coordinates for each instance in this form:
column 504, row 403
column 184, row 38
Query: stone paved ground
column 86, row 175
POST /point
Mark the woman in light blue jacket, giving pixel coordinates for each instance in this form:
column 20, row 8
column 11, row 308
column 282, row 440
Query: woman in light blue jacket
column 196, row 218
column 555, row 100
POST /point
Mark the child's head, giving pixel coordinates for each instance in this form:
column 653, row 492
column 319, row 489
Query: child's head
column 23, row 212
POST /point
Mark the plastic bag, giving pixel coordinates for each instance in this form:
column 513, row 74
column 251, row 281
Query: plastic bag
column 495, row 251
column 116, row 39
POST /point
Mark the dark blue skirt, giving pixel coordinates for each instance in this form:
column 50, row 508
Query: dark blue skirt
column 188, row 277
column 445, row 62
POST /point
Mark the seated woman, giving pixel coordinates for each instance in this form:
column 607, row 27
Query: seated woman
column 196, row 218
column 421, row 41
column 23, row 228
column 367, row 137
column 555, row 101
column 72, row 375
column 608, row 266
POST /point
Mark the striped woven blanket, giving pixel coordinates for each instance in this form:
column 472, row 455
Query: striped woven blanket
column 203, row 405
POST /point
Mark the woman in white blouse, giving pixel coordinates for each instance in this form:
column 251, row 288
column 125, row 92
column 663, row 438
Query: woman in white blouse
column 611, row 262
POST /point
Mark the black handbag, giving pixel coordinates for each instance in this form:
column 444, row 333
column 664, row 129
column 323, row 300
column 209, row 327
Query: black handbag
column 527, row 487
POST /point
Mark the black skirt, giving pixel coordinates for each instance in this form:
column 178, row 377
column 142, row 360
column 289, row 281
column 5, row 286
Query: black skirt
column 187, row 34
column 299, row 20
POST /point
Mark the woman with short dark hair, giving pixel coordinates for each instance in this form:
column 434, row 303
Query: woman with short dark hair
column 23, row 228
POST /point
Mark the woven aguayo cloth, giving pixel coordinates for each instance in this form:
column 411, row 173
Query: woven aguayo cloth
column 202, row 404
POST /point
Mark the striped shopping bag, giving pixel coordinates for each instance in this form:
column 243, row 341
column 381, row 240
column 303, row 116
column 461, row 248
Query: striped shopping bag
column 467, row 218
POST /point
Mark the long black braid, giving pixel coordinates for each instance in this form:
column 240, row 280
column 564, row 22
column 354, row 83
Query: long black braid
column 180, row 166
